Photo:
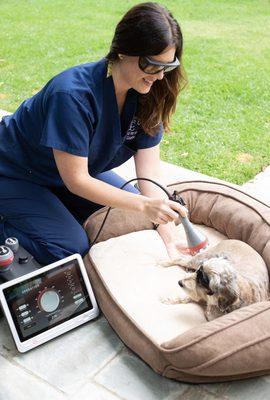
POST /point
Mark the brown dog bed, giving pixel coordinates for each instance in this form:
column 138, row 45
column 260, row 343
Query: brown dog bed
column 176, row 340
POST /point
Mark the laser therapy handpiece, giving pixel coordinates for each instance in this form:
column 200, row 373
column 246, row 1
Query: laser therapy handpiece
column 196, row 240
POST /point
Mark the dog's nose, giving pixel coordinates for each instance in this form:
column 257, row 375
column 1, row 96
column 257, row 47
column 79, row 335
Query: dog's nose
column 180, row 283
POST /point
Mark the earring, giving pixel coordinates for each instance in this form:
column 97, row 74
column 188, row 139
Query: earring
column 121, row 56
column 109, row 69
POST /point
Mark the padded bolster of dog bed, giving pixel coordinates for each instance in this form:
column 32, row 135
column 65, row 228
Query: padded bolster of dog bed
column 234, row 346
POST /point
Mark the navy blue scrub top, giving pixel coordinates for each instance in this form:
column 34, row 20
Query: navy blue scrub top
column 75, row 112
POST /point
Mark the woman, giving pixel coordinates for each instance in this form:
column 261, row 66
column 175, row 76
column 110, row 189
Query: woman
column 57, row 150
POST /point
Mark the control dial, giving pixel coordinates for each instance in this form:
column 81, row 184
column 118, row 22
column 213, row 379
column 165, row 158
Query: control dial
column 6, row 256
column 12, row 243
column 48, row 300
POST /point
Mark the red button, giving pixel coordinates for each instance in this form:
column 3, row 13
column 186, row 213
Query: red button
column 6, row 256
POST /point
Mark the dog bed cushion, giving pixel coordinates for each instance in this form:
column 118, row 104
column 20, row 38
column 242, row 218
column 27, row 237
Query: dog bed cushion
column 176, row 340
column 139, row 283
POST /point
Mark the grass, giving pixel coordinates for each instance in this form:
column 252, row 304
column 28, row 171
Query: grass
column 222, row 123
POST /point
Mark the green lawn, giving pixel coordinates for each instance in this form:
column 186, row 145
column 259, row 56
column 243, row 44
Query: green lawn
column 222, row 124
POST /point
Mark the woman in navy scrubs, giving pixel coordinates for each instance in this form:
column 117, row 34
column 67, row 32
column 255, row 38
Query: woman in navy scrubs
column 57, row 150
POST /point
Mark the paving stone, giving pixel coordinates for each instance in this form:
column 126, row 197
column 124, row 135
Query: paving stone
column 259, row 186
column 16, row 383
column 92, row 391
column 3, row 113
column 196, row 392
column 68, row 361
column 7, row 346
column 170, row 173
column 267, row 378
column 254, row 389
column 216, row 388
column 131, row 379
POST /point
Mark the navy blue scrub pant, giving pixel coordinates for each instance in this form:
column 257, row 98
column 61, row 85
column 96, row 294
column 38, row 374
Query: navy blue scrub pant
column 48, row 221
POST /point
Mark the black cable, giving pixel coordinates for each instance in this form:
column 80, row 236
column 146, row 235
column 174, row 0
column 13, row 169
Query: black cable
column 173, row 197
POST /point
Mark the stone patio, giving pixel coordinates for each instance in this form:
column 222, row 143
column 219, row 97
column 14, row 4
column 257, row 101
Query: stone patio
column 92, row 363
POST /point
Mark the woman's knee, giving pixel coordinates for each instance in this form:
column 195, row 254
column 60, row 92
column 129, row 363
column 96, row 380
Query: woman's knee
column 116, row 180
column 65, row 247
column 47, row 250
column 83, row 244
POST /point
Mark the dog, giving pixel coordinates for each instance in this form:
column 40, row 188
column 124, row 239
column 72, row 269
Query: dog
column 222, row 278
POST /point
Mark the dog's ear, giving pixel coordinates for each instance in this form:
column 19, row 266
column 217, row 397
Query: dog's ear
column 214, row 283
column 203, row 279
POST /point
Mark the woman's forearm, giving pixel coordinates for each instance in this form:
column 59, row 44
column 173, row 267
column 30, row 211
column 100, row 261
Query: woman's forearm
column 107, row 195
column 168, row 232
column 150, row 189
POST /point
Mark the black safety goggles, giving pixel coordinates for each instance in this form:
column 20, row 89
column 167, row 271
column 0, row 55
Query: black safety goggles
column 154, row 67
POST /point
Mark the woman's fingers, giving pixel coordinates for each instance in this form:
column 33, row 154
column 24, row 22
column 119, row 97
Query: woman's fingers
column 162, row 211
column 161, row 221
column 163, row 218
column 183, row 211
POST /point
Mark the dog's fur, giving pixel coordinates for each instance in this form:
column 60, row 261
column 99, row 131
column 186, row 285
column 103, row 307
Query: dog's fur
column 223, row 278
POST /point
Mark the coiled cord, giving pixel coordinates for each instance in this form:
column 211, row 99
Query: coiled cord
column 173, row 197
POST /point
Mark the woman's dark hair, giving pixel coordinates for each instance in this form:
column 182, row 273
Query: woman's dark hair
column 147, row 29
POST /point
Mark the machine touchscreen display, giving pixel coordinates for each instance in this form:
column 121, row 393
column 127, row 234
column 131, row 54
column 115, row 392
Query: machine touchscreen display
column 49, row 299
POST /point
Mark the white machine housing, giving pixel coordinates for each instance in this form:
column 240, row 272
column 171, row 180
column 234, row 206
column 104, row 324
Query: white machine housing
column 48, row 302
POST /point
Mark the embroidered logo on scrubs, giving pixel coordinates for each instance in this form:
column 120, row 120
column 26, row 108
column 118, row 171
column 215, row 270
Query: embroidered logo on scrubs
column 133, row 129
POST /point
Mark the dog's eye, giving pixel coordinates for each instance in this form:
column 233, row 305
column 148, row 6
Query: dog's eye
column 202, row 278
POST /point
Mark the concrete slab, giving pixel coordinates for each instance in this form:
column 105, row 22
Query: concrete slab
column 255, row 389
column 259, row 186
column 69, row 361
column 93, row 391
column 170, row 173
column 131, row 379
column 3, row 113
column 17, row 383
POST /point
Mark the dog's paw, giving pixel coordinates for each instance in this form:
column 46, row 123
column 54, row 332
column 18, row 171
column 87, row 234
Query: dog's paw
column 165, row 264
column 167, row 300
column 182, row 261
column 172, row 300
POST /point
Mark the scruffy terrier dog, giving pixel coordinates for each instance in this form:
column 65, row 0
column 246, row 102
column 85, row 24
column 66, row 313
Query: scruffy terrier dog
column 223, row 278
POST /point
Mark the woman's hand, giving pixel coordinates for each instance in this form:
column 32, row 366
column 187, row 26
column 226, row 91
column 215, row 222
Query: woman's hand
column 162, row 211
